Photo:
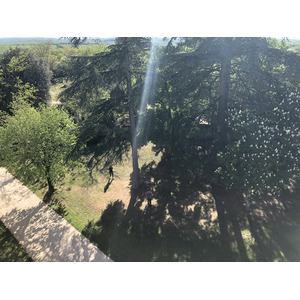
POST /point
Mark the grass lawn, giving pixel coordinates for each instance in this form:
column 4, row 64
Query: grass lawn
column 10, row 249
column 85, row 199
column 182, row 224
column 55, row 90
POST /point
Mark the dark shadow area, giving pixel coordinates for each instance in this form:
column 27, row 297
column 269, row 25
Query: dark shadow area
column 268, row 221
column 56, row 202
column 48, row 196
column 179, row 226
column 109, row 182
column 185, row 224
column 144, row 238
column 220, row 200
column 6, row 182
column 10, row 249
column 275, row 226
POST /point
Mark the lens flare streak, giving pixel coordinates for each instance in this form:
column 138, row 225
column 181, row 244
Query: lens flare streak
column 148, row 92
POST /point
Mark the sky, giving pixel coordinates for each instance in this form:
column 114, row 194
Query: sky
column 57, row 18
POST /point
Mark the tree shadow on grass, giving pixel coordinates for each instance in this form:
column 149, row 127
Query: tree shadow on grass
column 288, row 233
column 144, row 238
column 267, row 231
column 261, row 232
column 180, row 226
column 184, row 224
column 56, row 203
column 275, row 226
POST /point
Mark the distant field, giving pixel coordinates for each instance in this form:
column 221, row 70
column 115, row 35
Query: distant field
column 8, row 43
column 31, row 41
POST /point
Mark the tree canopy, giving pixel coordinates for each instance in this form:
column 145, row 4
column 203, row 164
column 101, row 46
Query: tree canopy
column 223, row 113
column 201, row 84
column 207, row 86
column 35, row 143
column 109, row 85
column 23, row 75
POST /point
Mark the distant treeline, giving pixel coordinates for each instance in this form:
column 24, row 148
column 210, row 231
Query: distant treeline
column 8, row 43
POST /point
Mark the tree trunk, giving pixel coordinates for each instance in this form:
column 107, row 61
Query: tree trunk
column 239, row 238
column 50, row 191
column 224, row 94
column 135, row 164
column 222, row 219
column 258, row 241
column 50, row 185
column 219, row 125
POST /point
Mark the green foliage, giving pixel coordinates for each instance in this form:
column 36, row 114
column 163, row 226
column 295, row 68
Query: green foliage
column 35, row 143
column 23, row 76
column 187, row 111
column 176, row 103
column 104, row 85
column 63, row 60
column 265, row 155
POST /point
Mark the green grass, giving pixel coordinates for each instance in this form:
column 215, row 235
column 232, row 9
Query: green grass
column 179, row 232
column 85, row 199
column 7, row 44
column 55, row 90
column 10, row 249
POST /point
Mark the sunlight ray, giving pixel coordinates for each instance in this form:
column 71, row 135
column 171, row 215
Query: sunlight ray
column 148, row 92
